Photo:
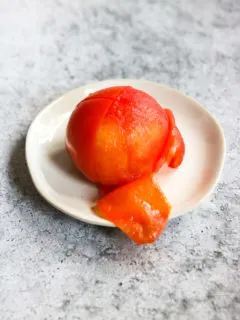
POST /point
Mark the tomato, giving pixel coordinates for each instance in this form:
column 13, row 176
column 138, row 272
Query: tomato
column 115, row 135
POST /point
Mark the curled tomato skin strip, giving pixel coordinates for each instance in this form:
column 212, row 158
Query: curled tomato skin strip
column 174, row 149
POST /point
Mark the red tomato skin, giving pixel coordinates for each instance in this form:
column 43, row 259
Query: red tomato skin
column 139, row 209
column 174, row 149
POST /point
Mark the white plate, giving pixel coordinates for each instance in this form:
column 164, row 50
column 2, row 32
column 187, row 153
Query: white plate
column 58, row 181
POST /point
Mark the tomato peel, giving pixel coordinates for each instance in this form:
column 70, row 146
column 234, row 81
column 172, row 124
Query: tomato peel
column 140, row 209
column 174, row 149
column 178, row 156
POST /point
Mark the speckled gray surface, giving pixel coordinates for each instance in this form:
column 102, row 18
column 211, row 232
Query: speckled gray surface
column 53, row 267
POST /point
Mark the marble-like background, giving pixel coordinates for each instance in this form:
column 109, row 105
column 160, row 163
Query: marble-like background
column 53, row 267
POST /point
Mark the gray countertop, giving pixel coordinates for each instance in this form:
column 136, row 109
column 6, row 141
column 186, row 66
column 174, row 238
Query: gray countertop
column 54, row 267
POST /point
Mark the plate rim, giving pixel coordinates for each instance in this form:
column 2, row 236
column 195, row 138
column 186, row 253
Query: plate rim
column 105, row 222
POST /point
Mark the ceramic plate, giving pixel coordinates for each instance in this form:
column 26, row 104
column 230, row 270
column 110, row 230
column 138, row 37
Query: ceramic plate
column 65, row 188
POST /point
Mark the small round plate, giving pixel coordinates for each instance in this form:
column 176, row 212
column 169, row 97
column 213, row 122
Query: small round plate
column 57, row 180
